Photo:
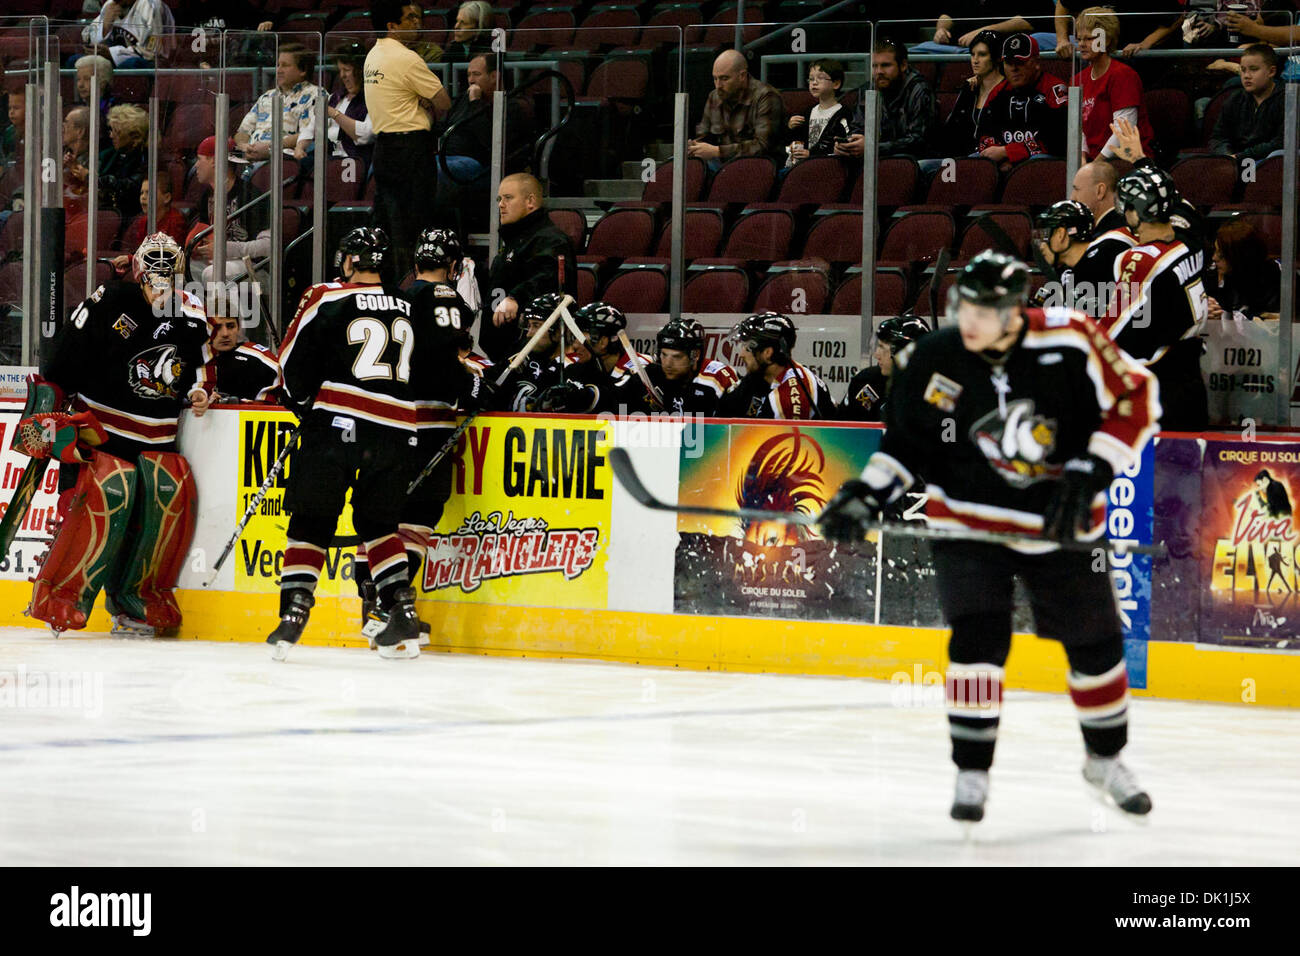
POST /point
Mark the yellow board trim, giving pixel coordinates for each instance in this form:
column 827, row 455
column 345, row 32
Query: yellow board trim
column 748, row 645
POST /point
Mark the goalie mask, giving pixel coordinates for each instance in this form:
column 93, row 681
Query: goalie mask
column 158, row 263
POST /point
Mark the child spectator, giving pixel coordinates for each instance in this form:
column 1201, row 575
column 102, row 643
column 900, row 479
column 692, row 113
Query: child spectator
column 813, row 131
column 1250, row 125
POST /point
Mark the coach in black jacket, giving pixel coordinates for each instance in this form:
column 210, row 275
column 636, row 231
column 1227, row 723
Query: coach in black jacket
column 534, row 257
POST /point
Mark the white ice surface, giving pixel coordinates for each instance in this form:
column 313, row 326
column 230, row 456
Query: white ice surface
column 210, row 754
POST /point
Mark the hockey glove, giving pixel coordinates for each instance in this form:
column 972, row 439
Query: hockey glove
column 846, row 517
column 1069, row 510
column 59, row 435
column 566, row 397
column 476, row 394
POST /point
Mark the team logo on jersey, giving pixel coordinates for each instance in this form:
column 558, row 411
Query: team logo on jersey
column 124, row 326
column 942, row 392
column 867, row 397
column 163, row 327
column 1017, row 446
column 156, row 372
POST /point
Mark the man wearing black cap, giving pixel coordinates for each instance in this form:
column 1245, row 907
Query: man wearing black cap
column 1026, row 112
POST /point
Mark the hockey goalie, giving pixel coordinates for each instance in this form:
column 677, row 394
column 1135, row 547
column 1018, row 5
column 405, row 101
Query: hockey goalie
column 107, row 411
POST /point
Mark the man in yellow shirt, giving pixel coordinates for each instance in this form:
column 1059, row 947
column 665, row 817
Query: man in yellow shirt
column 399, row 89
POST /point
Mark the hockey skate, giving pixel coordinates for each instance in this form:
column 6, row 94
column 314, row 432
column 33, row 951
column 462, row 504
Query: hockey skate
column 129, row 627
column 972, row 791
column 374, row 620
column 1115, row 781
column 295, row 606
column 400, row 637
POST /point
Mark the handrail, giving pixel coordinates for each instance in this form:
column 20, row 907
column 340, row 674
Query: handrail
column 790, row 27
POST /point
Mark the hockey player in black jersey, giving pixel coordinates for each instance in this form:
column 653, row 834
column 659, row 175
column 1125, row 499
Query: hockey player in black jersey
column 865, row 399
column 687, row 383
column 347, row 365
column 774, row 385
column 599, row 374
column 1159, row 310
column 1018, row 418
column 245, row 371
column 540, row 370
column 128, row 359
column 1064, row 233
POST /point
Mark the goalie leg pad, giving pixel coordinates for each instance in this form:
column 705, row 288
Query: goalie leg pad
column 165, row 514
column 95, row 515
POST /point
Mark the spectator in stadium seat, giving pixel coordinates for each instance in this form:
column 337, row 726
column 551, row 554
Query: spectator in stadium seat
column 349, row 131
column 14, row 135
column 960, row 133
column 247, row 235
column 907, row 107
column 1109, row 89
column 743, row 116
column 1245, row 282
column 1143, row 24
column 813, row 130
column 170, row 221
column 127, row 32
column 76, row 159
column 219, row 15
column 1251, row 122
column 472, row 33
column 298, row 98
column 1026, row 113
column 963, row 20
column 88, row 66
column 124, row 166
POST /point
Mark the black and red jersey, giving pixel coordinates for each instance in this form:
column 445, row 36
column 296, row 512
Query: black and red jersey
column 133, row 363
column 249, row 372
column 438, row 376
column 349, row 352
column 798, row 395
column 990, row 434
column 1028, row 121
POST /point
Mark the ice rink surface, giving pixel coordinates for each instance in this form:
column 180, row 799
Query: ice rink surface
column 184, row 752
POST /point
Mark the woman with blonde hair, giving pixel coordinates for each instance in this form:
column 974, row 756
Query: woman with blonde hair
column 123, row 166
column 1111, row 90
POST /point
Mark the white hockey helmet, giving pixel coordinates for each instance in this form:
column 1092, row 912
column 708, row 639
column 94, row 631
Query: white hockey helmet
column 160, row 261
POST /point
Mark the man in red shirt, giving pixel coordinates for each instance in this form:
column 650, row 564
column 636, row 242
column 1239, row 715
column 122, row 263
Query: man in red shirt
column 1026, row 112
column 1110, row 89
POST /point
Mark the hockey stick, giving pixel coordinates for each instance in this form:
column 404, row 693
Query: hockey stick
column 621, row 462
column 940, row 268
column 256, row 503
column 251, row 276
column 640, row 369
column 515, row 362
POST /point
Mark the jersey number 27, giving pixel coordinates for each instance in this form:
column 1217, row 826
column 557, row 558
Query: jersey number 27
column 372, row 336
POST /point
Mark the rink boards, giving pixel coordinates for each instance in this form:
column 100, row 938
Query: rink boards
column 540, row 554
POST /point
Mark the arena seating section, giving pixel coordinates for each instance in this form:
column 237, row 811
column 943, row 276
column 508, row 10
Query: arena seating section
column 752, row 237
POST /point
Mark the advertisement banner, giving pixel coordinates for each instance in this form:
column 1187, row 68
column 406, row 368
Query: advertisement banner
column 1130, row 517
column 1250, row 546
column 770, row 569
column 259, row 554
column 528, row 522
column 830, row 345
column 1241, row 366
column 31, row 539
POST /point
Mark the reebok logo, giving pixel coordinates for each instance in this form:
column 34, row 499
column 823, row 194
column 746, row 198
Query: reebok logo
column 103, row 909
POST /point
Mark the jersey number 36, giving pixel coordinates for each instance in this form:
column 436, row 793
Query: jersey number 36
column 372, row 336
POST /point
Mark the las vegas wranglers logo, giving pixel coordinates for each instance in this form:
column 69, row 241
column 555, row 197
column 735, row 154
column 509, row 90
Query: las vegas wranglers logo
column 498, row 546
column 1018, row 447
column 156, row 372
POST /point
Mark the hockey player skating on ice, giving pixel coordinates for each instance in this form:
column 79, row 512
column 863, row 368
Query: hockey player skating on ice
column 347, row 365
column 1018, row 418
column 128, row 359
column 775, row 385
column 865, row 399
column 440, row 385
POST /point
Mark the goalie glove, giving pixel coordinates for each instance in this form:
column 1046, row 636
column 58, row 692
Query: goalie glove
column 60, row 435
column 860, row 502
column 1069, row 510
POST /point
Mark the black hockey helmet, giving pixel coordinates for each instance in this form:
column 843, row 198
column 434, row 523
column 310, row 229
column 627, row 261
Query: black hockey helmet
column 597, row 319
column 368, row 245
column 1149, row 191
column 766, row 329
column 540, row 309
column 438, row 249
column 684, row 335
column 1068, row 214
column 901, row 331
column 993, row 279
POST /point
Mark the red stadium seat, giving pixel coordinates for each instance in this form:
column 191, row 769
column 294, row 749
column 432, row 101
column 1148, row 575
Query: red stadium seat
column 793, row 291
column 891, row 291
column 621, row 80
column 586, row 283
column 743, row 180
column 1019, row 228
column 543, row 27
column 74, row 281
column 621, row 233
column 608, row 26
column 660, row 189
column 724, row 289
column 1212, row 111
column 570, row 222
column 896, row 179
column 817, row 180
column 721, row 30
column 917, row 236
column 1036, row 182
column 1266, row 187
column 701, row 234
column 638, row 290
column 835, row 237
column 1170, row 113
column 963, row 182
column 763, row 235
column 1206, row 180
